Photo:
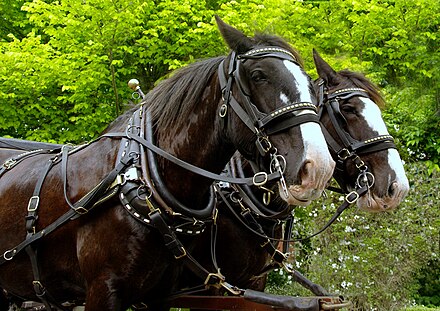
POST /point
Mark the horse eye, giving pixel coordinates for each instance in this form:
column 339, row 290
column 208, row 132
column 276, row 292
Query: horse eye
column 348, row 109
column 258, row 76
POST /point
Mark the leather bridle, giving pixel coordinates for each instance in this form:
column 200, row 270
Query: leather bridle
column 349, row 148
column 261, row 124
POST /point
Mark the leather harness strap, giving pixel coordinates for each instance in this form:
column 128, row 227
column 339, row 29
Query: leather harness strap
column 31, row 249
column 86, row 203
column 197, row 170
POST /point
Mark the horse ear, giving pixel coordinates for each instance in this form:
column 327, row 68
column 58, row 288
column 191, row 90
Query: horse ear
column 324, row 70
column 235, row 39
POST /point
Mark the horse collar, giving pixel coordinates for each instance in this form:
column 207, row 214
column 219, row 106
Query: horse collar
column 139, row 183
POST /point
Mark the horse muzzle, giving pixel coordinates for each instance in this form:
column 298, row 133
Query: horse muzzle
column 374, row 203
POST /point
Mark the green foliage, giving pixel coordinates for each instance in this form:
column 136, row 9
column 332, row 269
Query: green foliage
column 13, row 20
column 429, row 279
column 66, row 80
column 421, row 308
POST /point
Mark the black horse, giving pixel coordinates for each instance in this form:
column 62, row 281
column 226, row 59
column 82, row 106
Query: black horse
column 101, row 223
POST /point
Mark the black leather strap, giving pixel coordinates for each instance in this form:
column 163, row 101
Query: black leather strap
column 87, row 202
column 197, row 170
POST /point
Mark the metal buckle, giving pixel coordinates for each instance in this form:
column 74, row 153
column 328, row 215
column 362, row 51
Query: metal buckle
column 359, row 163
column 214, row 279
column 279, row 253
column 38, row 283
column 267, row 195
column 35, row 199
column 347, row 197
column 183, row 254
column 259, row 183
column 288, row 267
column 344, row 156
column 223, row 110
column 263, row 144
column 265, row 243
column 81, row 210
column 232, row 289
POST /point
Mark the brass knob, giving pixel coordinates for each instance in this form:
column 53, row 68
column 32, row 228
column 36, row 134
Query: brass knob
column 133, row 84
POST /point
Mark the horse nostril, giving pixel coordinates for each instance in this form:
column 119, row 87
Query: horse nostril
column 305, row 170
column 392, row 188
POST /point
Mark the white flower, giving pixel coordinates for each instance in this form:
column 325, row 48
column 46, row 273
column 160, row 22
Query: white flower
column 349, row 229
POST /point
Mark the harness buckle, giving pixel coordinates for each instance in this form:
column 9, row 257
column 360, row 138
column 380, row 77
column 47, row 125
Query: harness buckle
column 214, row 280
column 360, row 164
column 40, row 290
column 33, row 203
column 81, row 210
column 279, row 257
column 257, row 176
column 232, row 289
column 223, row 110
column 183, row 254
column 267, row 195
column 344, row 154
column 350, row 199
column 288, row 267
column 263, row 144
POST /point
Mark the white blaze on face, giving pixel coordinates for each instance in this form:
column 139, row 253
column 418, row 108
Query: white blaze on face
column 373, row 117
column 315, row 146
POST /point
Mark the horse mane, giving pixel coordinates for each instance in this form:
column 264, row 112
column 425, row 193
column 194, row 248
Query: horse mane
column 362, row 82
column 173, row 100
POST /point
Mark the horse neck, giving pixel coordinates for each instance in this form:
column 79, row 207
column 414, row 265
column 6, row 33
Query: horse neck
column 198, row 142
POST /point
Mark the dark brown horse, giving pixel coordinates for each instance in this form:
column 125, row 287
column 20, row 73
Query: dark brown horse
column 369, row 171
column 100, row 223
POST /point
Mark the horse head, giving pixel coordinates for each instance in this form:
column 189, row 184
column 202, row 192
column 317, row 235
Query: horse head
column 358, row 139
column 268, row 113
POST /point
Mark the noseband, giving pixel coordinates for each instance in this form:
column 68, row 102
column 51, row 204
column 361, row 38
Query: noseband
column 350, row 148
column 260, row 123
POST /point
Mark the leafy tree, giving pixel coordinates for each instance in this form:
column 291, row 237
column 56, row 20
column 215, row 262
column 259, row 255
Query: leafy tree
column 67, row 79
column 13, row 20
